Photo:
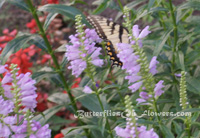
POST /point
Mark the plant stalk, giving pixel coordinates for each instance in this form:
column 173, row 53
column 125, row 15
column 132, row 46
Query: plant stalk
column 33, row 10
column 175, row 36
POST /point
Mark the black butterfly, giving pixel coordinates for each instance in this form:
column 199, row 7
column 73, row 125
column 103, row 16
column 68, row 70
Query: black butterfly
column 112, row 33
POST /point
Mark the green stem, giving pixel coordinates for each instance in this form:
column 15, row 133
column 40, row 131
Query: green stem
column 175, row 36
column 188, row 128
column 51, row 52
column 100, row 102
column 156, row 109
column 120, row 5
column 162, row 24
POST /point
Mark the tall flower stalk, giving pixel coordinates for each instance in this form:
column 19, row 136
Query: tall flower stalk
column 132, row 129
column 183, row 101
column 140, row 72
column 17, row 103
column 84, row 56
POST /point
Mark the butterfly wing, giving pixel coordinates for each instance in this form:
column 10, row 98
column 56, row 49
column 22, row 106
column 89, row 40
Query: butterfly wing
column 112, row 33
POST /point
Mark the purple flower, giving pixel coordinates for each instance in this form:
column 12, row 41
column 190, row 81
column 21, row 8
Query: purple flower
column 92, row 35
column 7, row 91
column 144, row 96
column 19, row 136
column 134, row 87
column 80, row 52
column 27, row 97
column 4, row 131
column 6, row 106
column 35, row 125
column 130, row 65
column 133, row 78
column 10, row 120
column 19, row 129
column 95, row 58
column 43, row 132
column 27, row 91
column 3, row 68
column 147, row 133
column 152, row 65
column 87, row 89
column 158, row 88
column 140, row 100
column 177, row 75
column 122, row 132
column 130, row 132
column 138, row 34
column 37, row 129
column 7, row 78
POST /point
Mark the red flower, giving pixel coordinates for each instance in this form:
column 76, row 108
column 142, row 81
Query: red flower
column 22, row 60
column 41, row 101
column 31, row 24
column 45, row 58
column 13, row 33
column 60, row 135
column 53, row 1
column 76, row 84
column 5, row 31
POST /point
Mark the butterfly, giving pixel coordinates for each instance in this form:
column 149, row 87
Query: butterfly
column 112, row 33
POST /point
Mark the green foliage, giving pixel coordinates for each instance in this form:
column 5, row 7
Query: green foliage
column 174, row 39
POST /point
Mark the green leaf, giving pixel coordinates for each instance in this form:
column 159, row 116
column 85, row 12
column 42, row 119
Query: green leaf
column 85, row 81
column 101, row 7
column 187, row 112
column 59, row 98
column 130, row 5
column 161, row 44
column 146, row 12
column 181, row 60
column 77, row 2
column 192, row 57
column 177, row 127
column 110, row 87
column 197, row 124
column 22, row 41
column 48, row 20
column 40, row 75
column 90, row 101
column 150, row 4
column 47, row 72
column 190, row 4
column 195, row 116
column 47, row 114
column 193, row 85
column 20, row 3
column 58, row 122
column 166, row 131
column 71, row 131
column 65, row 10
column 133, row 4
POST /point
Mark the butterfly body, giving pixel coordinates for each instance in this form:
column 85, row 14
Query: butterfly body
column 112, row 33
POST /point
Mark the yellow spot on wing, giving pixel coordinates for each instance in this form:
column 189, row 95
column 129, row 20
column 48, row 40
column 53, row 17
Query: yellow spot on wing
column 108, row 48
column 108, row 43
column 112, row 58
column 110, row 53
